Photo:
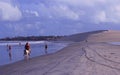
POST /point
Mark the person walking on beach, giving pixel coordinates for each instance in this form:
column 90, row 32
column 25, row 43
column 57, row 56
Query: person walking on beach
column 10, row 52
column 46, row 46
column 27, row 51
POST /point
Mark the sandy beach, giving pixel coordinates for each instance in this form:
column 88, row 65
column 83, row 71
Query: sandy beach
column 94, row 57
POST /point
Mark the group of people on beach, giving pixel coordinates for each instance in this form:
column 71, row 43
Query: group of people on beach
column 27, row 51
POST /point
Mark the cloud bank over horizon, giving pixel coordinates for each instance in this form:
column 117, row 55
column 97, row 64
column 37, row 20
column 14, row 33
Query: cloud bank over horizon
column 44, row 17
column 97, row 10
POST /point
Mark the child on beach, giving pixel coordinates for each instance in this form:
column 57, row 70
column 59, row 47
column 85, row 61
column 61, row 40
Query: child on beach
column 27, row 51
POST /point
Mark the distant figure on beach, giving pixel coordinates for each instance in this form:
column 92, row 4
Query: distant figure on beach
column 27, row 51
column 10, row 52
column 20, row 43
column 46, row 46
column 86, row 40
column 7, row 45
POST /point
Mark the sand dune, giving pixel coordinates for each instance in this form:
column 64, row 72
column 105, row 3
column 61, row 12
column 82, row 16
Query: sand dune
column 94, row 57
column 110, row 36
column 81, row 36
column 95, row 36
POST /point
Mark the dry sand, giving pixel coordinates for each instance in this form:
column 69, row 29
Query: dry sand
column 80, row 58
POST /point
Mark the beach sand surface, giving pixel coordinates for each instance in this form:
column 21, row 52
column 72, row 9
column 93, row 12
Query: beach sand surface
column 94, row 57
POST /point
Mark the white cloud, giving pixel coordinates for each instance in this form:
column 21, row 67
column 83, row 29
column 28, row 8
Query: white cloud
column 110, row 14
column 34, row 13
column 100, row 17
column 82, row 2
column 58, row 11
column 114, row 13
column 63, row 11
column 9, row 12
column 97, row 10
column 91, row 10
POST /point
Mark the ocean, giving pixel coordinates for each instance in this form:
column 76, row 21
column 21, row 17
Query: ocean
column 17, row 50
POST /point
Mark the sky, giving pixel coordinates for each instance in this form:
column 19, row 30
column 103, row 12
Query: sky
column 57, row 17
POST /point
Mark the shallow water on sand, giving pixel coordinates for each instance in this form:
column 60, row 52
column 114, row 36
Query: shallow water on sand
column 115, row 43
column 37, row 49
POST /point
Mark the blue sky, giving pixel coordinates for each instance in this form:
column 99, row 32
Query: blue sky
column 57, row 17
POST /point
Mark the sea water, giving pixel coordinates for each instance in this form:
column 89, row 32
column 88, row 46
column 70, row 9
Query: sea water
column 37, row 49
column 115, row 43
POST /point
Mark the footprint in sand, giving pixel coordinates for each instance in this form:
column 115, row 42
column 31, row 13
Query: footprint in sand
column 104, row 55
column 112, row 53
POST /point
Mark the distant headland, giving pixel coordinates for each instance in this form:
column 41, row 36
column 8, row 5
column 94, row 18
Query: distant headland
column 32, row 38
